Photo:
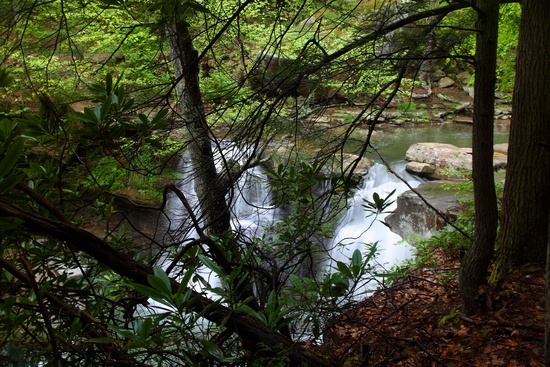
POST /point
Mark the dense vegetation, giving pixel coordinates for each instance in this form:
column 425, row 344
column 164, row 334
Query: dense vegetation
column 104, row 102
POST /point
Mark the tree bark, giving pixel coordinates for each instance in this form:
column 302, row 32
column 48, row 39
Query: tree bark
column 547, row 303
column 526, row 202
column 473, row 272
column 210, row 188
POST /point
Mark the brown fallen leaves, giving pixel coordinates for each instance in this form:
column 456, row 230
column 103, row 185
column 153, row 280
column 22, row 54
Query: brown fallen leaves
column 418, row 322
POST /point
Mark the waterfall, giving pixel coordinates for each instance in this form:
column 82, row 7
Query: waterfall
column 359, row 226
column 252, row 213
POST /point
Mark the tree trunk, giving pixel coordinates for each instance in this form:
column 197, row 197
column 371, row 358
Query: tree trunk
column 547, row 306
column 473, row 272
column 210, row 188
column 524, row 227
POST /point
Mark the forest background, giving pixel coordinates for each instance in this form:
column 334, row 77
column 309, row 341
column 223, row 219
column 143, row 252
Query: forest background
column 102, row 98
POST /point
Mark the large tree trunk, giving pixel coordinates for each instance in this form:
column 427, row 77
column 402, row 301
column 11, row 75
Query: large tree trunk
column 473, row 272
column 210, row 188
column 547, row 306
column 526, row 203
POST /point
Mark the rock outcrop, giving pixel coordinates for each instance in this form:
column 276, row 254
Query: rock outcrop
column 413, row 217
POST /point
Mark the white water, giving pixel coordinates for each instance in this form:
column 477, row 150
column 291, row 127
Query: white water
column 252, row 213
column 360, row 227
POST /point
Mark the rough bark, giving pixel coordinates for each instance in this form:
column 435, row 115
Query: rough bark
column 138, row 272
column 210, row 188
column 547, row 304
column 526, row 202
column 473, row 272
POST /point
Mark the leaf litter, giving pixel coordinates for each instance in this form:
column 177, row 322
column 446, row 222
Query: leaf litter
column 417, row 321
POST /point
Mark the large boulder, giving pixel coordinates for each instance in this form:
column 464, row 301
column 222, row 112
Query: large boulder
column 441, row 161
column 413, row 217
column 445, row 159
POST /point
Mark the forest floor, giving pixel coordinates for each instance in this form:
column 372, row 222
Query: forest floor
column 418, row 322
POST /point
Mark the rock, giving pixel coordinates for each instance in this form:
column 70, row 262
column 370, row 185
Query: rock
column 469, row 90
column 500, row 157
column 344, row 163
column 340, row 163
column 421, row 169
column 501, row 148
column 499, row 161
column 463, row 120
column 446, row 158
column 437, row 74
column 464, row 77
column 413, row 217
column 446, row 82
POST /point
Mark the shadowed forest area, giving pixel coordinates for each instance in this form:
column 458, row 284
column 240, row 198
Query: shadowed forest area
column 206, row 183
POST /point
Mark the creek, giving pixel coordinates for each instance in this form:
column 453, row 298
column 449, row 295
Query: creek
column 253, row 211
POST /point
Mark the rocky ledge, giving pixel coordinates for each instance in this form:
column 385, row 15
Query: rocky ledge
column 413, row 218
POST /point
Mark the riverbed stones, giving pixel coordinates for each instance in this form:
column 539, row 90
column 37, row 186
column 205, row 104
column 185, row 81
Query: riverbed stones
column 446, row 82
column 421, row 169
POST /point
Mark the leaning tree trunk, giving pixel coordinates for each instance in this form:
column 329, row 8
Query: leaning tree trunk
column 210, row 188
column 526, row 202
column 473, row 272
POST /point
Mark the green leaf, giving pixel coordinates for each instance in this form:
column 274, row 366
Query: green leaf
column 125, row 333
column 356, row 258
column 10, row 181
column 11, row 157
column 295, row 281
column 148, row 291
column 76, row 326
column 343, row 268
column 144, row 328
column 184, row 282
column 158, row 284
column 144, row 120
column 161, row 274
column 212, row 349
column 211, row 265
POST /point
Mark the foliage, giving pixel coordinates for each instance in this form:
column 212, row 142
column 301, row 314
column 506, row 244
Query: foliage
column 177, row 301
column 507, row 45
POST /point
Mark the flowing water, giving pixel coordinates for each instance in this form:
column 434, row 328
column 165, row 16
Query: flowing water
column 253, row 212
column 359, row 226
